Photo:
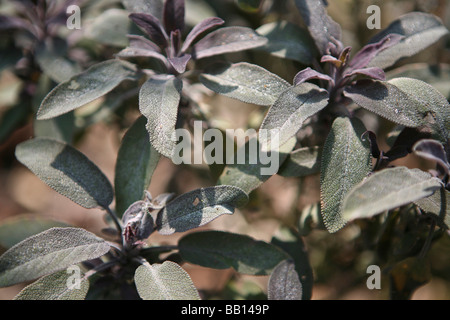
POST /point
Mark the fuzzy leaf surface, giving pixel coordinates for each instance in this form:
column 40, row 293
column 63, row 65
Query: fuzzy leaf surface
column 47, row 252
column 245, row 82
column 166, row 281
column 158, row 102
column 346, row 161
column 85, row 87
column 388, row 189
column 198, row 207
column 67, row 171
column 55, row 287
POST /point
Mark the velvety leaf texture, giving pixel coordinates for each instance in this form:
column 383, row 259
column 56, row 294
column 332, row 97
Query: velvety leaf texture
column 158, row 102
column 47, row 252
column 388, row 189
column 85, row 87
column 67, row 171
column 419, row 29
column 435, row 108
column 18, row 228
column 408, row 102
column 245, row 82
column 198, row 207
column 55, row 287
column 153, row 7
column 167, row 281
column 292, row 108
column 346, row 161
column 136, row 161
column 289, row 41
column 291, row 242
column 226, row 40
column 221, row 250
column 284, row 283
column 321, row 27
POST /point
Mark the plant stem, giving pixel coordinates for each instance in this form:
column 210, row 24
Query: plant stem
column 427, row 244
column 115, row 219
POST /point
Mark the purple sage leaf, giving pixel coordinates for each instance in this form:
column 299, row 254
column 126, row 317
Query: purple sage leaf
column 201, row 27
column 308, row 74
column 432, row 150
column 374, row 73
column 225, row 40
column 180, row 63
column 364, row 56
column 321, row 27
column 152, row 26
column 173, row 15
column 140, row 42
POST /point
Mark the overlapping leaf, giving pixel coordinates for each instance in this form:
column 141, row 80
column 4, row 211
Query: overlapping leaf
column 246, row 82
column 302, row 162
column 85, row 87
column 56, row 286
column 198, row 207
column 419, row 29
column 221, row 250
column 322, row 28
column 226, row 40
column 167, row 281
column 250, row 175
column 405, row 101
column 136, row 161
column 47, row 252
column 289, row 41
column 292, row 108
column 284, row 283
column 346, row 161
column 158, row 102
column 67, row 171
column 388, row 189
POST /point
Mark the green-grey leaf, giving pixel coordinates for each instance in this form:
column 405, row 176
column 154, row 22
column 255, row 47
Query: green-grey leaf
column 167, row 281
column 437, row 75
column 435, row 108
column 53, row 63
column 288, row 41
column 387, row 190
column 158, row 102
column 246, row 82
column 67, row 171
column 136, row 161
column 395, row 101
column 198, row 207
column 292, row 108
column 110, row 27
column 18, row 228
column 249, row 176
column 346, row 161
column 284, row 283
column 293, row 244
column 302, row 162
column 47, row 252
column 56, row 286
column 85, row 87
column 419, row 29
column 222, row 250
column 153, row 7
